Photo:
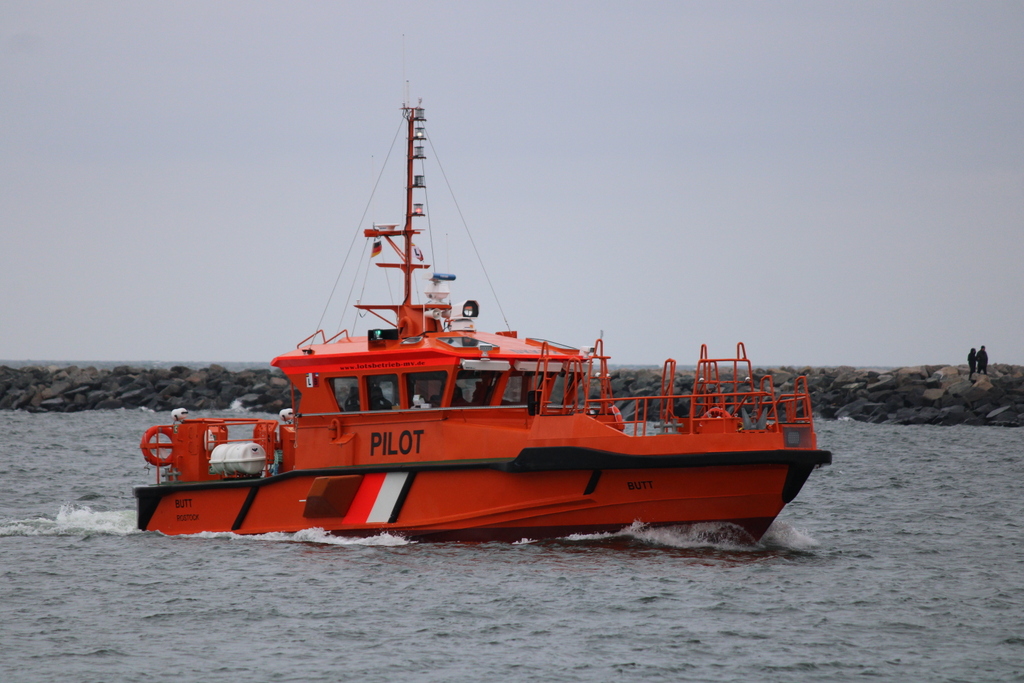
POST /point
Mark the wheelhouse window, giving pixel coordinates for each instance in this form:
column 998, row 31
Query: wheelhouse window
column 474, row 387
column 382, row 391
column 425, row 389
column 346, row 392
column 516, row 387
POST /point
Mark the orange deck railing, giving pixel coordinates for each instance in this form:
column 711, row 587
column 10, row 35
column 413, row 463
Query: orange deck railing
column 723, row 389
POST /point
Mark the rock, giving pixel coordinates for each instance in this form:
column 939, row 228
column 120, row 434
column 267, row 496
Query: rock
column 135, row 397
column 952, row 415
column 228, row 392
column 109, row 404
column 997, row 412
column 880, row 396
column 915, row 372
column 845, row 374
column 933, row 394
column 172, row 389
column 52, row 403
column 904, row 415
column 272, row 406
column 55, row 389
column 925, row 415
column 780, row 378
column 857, row 408
column 949, row 374
column 884, row 382
column 959, row 388
column 981, row 388
column 26, row 398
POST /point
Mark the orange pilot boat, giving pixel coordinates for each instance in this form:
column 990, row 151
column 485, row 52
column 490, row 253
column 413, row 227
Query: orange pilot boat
column 433, row 430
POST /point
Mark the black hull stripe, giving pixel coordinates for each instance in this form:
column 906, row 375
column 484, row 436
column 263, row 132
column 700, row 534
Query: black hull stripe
column 401, row 498
column 240, row 519
column 576, row 458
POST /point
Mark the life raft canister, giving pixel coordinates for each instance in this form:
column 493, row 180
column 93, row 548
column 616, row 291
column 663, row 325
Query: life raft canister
column 716, row 412
column 240, row 457
column 152, row 447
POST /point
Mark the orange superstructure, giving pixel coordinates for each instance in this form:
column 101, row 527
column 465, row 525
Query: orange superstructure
column 431, row 429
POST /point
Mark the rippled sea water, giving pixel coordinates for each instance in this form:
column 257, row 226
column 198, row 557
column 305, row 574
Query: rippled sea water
column 901, row 561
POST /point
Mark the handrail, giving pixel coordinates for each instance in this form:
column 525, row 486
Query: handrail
column 544, row 385
column 668, row 378
column 797, row 404
column 752, row 403
column 604, row 381
column 410, row 411
column 573, row 383
column 572, row 367
column 322, row 336
column 348, row 337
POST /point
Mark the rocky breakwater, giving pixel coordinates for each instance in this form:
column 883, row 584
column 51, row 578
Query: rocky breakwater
column 923, row 394
column 55, row 389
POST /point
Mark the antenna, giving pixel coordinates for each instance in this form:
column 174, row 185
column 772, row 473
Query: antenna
column 405, row 81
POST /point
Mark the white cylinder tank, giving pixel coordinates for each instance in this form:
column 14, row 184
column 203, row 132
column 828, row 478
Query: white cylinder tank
column 238, row 458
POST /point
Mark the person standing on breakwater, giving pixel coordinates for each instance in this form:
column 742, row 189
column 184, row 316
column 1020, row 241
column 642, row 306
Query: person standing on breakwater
column 982, row 361
column 972, row 363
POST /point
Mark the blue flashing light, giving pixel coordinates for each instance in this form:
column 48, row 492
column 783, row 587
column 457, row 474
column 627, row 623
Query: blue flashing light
column 447, row 277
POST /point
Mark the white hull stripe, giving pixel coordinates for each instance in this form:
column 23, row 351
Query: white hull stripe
column 390, row 490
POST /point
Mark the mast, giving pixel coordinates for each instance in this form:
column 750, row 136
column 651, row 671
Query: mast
column 410, row 319
column 412, row 118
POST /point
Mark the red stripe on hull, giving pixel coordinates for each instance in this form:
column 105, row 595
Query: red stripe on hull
column 365, row 498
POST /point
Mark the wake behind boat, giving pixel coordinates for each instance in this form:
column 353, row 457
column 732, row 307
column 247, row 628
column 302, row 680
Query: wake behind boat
column 431, row 429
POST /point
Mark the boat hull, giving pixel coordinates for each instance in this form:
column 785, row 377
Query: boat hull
column 543, row 493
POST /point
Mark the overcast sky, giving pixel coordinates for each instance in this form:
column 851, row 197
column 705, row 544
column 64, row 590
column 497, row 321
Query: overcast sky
column 829, row 182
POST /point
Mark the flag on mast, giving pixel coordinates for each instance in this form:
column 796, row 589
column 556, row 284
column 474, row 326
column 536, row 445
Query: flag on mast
column 417, row 253
column 375, row 252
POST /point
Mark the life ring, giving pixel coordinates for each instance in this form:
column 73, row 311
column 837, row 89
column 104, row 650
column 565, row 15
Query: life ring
column 215, row 436
column 715, row 412
column 151, row 445
column 618, row 422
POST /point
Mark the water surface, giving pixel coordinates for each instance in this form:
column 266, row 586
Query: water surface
column 903, row 560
